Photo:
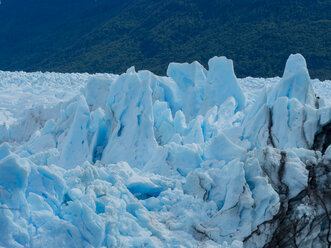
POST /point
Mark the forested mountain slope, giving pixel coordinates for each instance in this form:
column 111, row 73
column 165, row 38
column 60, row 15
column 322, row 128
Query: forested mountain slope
column 109, row 36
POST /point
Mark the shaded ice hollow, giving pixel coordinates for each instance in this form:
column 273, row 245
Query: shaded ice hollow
column 195, row 159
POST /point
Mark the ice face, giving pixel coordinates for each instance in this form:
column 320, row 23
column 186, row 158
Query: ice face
column 295, row 82
column 286, row 116
column 131, row 113
column 74, row 149
column 198, row 158
column 191, row 80
column 221, row 84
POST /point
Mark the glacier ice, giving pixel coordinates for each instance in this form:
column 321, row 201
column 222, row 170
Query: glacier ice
column 191, row 80
column 289, row 116
column 221, row 84
column 195, row 159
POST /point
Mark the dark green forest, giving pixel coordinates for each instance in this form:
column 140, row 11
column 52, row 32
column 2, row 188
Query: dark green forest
column 112, row 35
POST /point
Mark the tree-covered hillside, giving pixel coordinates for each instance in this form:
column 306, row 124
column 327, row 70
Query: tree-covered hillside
column 111, row 35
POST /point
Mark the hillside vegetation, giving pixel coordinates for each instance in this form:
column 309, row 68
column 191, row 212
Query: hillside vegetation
column 110, row 36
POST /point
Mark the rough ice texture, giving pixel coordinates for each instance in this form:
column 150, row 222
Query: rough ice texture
column 196, row 159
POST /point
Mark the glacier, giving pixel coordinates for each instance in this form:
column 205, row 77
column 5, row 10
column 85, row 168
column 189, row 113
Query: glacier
column 197, row 158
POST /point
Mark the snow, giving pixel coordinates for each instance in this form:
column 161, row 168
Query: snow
column 195, row 159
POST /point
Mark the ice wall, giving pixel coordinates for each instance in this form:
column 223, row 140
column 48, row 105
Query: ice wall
column 289, row 114
column 138, row 160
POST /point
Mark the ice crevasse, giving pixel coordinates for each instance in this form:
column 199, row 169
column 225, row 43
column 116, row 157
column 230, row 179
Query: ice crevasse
column 186, row 160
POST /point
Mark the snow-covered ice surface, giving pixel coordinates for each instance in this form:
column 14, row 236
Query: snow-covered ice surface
column 195, row 159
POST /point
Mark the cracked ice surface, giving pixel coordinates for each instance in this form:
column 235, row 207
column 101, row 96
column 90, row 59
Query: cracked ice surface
column 197, row 158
